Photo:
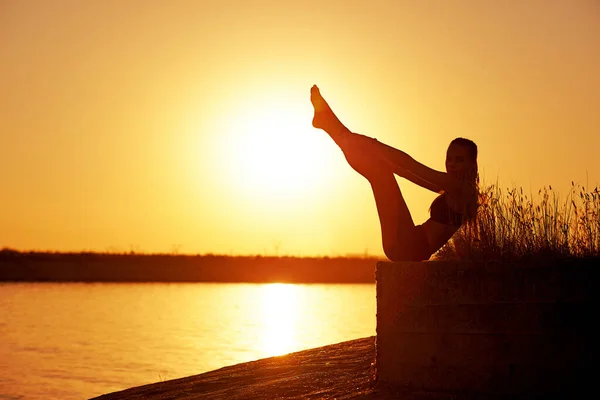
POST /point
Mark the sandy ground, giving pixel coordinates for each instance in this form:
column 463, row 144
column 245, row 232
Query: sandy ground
column 341, row 371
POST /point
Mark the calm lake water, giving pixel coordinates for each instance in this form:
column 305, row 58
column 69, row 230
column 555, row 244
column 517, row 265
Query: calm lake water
column 76, row 341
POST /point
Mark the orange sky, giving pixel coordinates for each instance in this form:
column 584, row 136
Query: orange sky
column 160, row 126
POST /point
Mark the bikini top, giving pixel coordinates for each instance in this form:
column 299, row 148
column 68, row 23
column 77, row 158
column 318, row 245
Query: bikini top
column 441, row 212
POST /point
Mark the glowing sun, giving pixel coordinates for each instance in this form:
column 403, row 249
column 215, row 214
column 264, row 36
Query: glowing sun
column 273, row 151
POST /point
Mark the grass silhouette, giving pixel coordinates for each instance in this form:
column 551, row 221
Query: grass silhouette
column 514, row 226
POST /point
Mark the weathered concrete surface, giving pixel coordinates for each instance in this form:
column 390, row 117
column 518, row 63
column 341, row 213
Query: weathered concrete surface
column 487, row 329
column 340, row 371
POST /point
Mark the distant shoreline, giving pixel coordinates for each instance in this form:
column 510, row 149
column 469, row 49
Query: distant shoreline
column 106, row 267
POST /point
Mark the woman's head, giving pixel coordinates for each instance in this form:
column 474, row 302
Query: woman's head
column 461, row 159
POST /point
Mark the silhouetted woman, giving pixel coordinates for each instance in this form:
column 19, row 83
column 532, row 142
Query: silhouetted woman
column 378, row 162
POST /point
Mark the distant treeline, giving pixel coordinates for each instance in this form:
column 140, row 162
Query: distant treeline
column 16, row 266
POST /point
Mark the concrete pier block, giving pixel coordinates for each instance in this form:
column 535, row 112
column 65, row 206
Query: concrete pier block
column 488, row 328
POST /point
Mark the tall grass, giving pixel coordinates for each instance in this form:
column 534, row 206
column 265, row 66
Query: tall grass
column 514, row 226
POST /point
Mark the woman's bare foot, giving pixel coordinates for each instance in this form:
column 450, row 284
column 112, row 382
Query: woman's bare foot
column 324, row 118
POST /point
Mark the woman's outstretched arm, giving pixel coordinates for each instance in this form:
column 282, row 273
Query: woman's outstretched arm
column 406, row 174
column 400, row 161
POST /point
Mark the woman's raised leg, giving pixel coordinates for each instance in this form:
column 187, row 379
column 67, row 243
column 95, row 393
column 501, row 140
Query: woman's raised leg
column 400, row 240
column 325, row 119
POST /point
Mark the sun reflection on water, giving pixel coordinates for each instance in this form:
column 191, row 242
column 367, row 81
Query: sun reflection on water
column 280, row 308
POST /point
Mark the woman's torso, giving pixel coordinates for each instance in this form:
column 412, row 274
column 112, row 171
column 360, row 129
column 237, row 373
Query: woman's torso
column 438, row 232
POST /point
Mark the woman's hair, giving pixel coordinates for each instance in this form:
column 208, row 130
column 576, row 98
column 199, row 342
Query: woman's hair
column 471, row 177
